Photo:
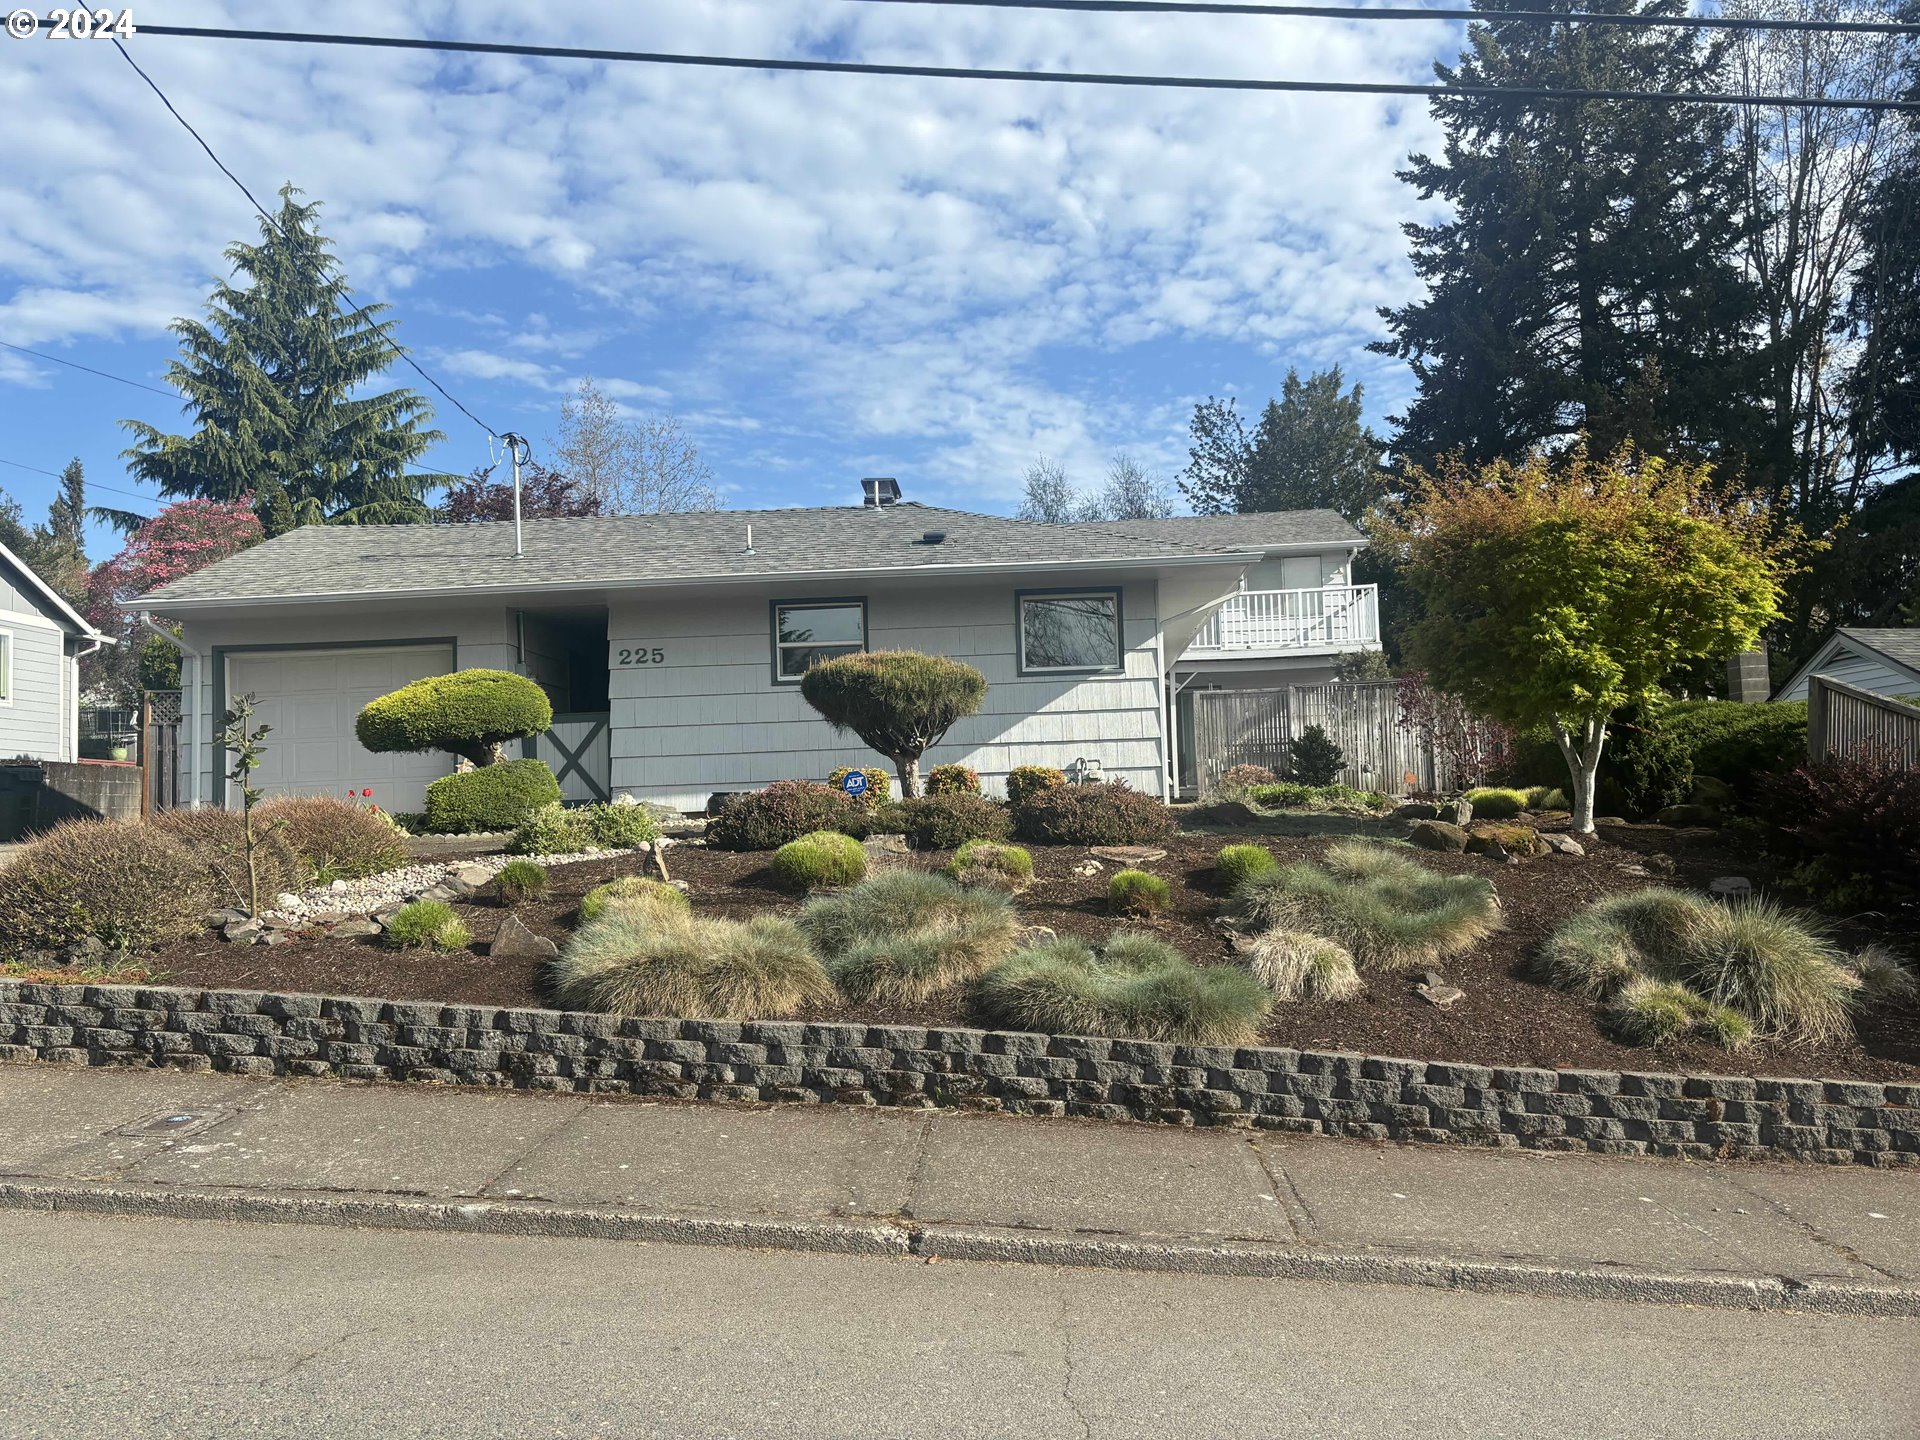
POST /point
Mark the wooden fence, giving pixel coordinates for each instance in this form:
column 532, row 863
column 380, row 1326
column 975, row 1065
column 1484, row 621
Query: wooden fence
column 577, row 750
column 1844, row 721
column 160, row 749
column 1258, row 727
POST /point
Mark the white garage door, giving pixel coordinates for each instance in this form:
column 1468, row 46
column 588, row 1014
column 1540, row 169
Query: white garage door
column 310, row 698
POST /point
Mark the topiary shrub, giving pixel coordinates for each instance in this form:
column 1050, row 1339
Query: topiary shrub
column 824, row 860
column 218, row 840
column 1313, row 758
column 1494, row 802
column 655, row 960
column 953, row 780
column 635, row 890
column 879, row 784
column 1026, row 781
column 1295, row 965
column 1134, row 987
column 521, row 880
column 904, row 935
column 336, row 839
column 551, row 830
column 1138, row 893
column 621, row 827
column 1391, row 912
column 1236, row 863
column 470, row 713
column 985, row 862
column 946, row 822
column 125, row 884
column 784, row 811
column 1107, row 813
column 497, row 797
column 1240, row 777
column 427, row 925
column 900, row 702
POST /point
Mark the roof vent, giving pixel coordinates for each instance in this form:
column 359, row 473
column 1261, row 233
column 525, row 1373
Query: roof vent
column 932, row 537
column 880, row 491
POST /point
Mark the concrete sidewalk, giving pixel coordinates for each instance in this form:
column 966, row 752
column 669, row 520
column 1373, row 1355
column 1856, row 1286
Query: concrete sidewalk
column 958, row 1186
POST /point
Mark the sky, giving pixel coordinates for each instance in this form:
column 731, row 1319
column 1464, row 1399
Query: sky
column 823, row 277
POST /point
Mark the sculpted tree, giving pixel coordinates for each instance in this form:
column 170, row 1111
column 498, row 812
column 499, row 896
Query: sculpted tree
column 900, row 702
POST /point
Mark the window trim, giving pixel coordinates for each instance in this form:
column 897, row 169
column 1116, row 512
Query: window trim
column 830, row 602
column 8, row 649
column 1077, row 592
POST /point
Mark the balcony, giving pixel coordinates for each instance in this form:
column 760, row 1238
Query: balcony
column 1258, row 623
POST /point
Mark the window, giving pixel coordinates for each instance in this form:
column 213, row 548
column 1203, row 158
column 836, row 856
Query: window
column 1070, row 631
column 805, row 632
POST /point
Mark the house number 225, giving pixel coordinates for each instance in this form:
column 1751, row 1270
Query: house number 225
column 642, row 655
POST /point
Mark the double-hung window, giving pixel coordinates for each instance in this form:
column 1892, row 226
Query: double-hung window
column 805, row 632
column 1062, row 631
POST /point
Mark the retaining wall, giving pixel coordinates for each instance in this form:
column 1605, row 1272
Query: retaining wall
column 250, row 1033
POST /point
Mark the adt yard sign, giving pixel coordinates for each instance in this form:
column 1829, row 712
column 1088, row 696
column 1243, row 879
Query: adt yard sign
column 854, row 783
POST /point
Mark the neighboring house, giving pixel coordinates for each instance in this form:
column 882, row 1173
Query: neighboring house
column 42, row 638
column 673, row 645
column 1886, row 662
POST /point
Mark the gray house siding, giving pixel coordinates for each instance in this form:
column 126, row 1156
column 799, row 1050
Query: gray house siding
column 1864, row 669
column 40, row 715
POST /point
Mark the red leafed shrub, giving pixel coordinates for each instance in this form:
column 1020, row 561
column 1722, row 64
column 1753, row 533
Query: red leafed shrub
column 779, row 815
column 1465, row 745
column 953, row 780
column 1239, row 777
column 1108, row 813
column 1858, row 816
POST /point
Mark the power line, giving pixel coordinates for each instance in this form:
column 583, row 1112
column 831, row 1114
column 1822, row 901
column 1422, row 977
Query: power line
column 1415, row 12
column 398, row 349
column 1054, row 77
column 91, row 484
column 75, row 364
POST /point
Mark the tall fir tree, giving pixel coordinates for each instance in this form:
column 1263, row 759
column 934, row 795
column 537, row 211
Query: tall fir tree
column 1588, row 278
column 275, row 379
column 1310, row 451
column 57, row 550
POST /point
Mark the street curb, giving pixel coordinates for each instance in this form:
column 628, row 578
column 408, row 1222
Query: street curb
column 903, row 1240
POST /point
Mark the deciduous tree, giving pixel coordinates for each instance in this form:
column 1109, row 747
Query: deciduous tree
column 643, row 466
column 544, row 495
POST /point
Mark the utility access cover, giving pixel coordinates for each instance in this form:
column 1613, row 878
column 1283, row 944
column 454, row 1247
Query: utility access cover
column 169, row 1123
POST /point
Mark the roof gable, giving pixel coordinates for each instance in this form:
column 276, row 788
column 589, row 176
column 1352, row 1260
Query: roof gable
column 46, row 599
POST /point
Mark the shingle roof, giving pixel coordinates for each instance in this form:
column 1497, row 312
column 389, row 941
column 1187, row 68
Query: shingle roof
column 1901, row 646
column 343, row 561
column 1260, row 529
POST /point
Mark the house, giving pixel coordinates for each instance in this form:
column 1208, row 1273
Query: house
column 673, row 645
column 1886, row 662
column 42, row 638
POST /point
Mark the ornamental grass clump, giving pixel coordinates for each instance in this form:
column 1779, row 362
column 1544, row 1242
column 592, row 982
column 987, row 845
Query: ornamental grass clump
column 1494, row 802
column 1138, row 893
column 1390, row 912
column 1296, row 965
column 824, row 860
column 999, row 867
column 1606, row 945
column 905, row 935
column 551, row 830
column 1237, row 863
column 1653, row 1012
column 521, row 880
column 336, row 839
column 655, row 960
column 427, row 925
column 1133, row 987
column 634, row 890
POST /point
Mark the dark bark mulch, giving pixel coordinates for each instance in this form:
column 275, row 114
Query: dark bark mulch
column 1506, row 1018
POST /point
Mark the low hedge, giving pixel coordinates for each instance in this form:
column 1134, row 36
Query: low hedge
column 1106, row 813
column 494, row 797
column 950, row 820
column 124, row 884
column 781, row 813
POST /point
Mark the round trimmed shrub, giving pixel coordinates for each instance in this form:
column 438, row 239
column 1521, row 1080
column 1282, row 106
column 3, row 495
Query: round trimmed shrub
column 655, row 960
column 1138, row 893
column 784, row 811
column 218, row 840
column 1237, row 863
column 635, row 890
column 904, row 935
column 1105, row 813
column 521, row 880
column 989, row 863
column 427, row 925
column 946, row 822
column 550, row 830
column 470, row 713
column 953, row 780
column 336, row 839
column 1134, row 987
column 125, row 884
column 1026, row 781
column 621, row 827
column 879, row 784
column 495, row 797
column 1295, row 965
column 824, row 860
column 901, row 703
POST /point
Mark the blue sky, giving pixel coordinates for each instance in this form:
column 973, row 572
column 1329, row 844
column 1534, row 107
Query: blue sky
column 824, row 277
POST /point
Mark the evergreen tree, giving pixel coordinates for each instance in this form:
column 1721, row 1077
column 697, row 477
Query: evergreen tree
column 1589, row 277
column 1310, row 451
column 57, row 550
column 274, row 379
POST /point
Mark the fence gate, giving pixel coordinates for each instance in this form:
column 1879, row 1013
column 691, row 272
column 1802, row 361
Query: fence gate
column 1844, row 721
column 577, row 750
column 160, row 749
column 1258, row 727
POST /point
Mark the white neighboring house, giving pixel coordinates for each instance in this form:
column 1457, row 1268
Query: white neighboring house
column 672, row 645
column 42, row 638
column 1887, row 662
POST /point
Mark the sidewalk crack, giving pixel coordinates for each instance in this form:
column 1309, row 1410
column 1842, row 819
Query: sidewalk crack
column 1281, row 1180
column 1066, row 1355
column 543, row 1139
column 1813, row 1232
column 921, row 1161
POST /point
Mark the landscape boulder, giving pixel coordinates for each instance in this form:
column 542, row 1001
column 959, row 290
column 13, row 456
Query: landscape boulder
column 1497, row 841
column 1438, row 835
column 515, row 941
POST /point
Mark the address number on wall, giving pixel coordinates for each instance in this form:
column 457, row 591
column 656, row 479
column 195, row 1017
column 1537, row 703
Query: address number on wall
column 640, row 655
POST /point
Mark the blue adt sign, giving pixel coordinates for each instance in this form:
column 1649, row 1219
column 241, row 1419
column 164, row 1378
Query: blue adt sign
column 854, row 783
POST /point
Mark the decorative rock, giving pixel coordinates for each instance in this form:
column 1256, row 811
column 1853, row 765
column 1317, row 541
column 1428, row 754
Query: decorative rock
column 285, row 900
column 1128, row 854
column 1441, row 996
column 272, row 937
column 1660, row 864
column 384, row 918
column 886, row 845
column 243, row 931
column 1731, row 887
column 1439, row 835
column 1092, row 867
column 1034, row 935
column 1418, row 810
column 1458, row 812
column 1565, row 845
column 356, row 929
column 1688, row 815
column 1224, row 815
column 1498, row 841
column 1714, row 794
column 475, row 877
column 442, row 892
column 516, row 942
column 220, row 919
column 337, row 886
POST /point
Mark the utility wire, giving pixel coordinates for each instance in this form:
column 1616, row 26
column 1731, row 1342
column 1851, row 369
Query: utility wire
column 331, row 283
column 1416, row 12
column 75, row 364
column 92, row 485
column 1056, row 77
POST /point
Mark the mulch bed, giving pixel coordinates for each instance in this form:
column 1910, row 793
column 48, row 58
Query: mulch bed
column 1505, row 1018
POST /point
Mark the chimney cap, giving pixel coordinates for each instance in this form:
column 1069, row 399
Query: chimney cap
column 880, row 490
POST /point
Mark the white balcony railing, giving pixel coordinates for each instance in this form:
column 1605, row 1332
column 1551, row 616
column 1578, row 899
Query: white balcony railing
column 1274, row 622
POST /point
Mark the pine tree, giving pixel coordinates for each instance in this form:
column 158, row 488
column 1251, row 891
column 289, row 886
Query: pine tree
column 57, row 550
column 1589, row 276
column 274, row 381
column 1310, row 451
